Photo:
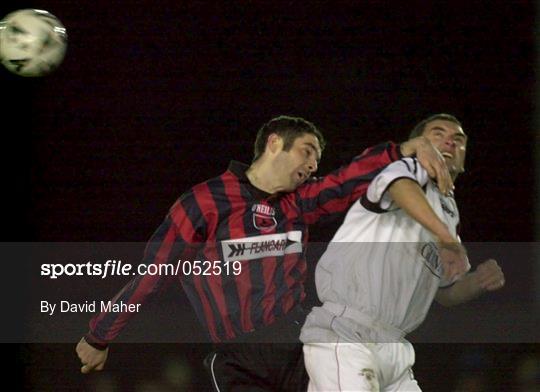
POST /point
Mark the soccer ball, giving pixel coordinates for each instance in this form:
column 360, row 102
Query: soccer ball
column 32, row 42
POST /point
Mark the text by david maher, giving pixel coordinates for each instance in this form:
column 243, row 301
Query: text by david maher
column 88, row 307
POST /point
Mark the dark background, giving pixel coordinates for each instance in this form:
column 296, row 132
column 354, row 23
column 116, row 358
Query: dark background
column 154, row 97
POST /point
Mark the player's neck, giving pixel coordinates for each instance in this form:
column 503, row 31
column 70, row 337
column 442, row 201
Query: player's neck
column 261, row 176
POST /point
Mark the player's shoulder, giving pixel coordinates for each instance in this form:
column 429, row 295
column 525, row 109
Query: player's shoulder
column 407, row 167
column 198, row 192
column 409, row 164
column 214, row 185
column 193, row 202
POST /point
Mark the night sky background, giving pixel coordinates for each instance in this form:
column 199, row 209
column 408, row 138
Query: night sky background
column 154, row 97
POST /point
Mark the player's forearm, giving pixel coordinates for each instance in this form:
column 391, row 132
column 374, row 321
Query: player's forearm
column 465, row 289
column 408, row 196
column 327, row 195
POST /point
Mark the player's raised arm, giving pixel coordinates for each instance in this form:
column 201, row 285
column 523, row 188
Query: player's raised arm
column 431, row 159
column 407, row 195
column 335, row 192
column 400, row 186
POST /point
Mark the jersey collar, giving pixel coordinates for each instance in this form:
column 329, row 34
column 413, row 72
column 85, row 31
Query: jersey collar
column 239, row 170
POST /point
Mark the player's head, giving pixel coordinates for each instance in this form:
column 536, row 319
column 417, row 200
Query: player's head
column 446, row 134
column 292, row 147
column 288, row 129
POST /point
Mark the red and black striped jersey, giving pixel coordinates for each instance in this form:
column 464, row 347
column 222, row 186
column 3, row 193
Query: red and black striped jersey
column 226, row 219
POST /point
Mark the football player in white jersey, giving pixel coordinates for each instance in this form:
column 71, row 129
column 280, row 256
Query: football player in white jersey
column 397, row 249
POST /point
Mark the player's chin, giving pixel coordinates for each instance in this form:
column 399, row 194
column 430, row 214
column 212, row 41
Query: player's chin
column 449, row 163
column 295, row 183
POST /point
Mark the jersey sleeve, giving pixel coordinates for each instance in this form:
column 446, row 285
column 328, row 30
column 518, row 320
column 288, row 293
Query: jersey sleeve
column 333, row 194
column 180, row 236
column 377, row 196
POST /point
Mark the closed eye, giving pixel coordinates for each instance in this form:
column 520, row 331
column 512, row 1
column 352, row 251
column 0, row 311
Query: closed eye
column 311, row 150
column 460, row 139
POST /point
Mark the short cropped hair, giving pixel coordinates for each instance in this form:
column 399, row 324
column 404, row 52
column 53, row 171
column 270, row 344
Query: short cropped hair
column 421, row 126
column 289, row 129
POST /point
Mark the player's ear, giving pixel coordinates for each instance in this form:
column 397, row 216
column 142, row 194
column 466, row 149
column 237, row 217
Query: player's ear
column 274, row 143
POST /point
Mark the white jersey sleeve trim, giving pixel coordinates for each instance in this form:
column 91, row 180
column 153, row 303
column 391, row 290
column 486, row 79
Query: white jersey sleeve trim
column 377, row 198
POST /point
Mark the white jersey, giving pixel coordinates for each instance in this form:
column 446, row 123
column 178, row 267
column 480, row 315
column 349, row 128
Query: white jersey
column 381, row 263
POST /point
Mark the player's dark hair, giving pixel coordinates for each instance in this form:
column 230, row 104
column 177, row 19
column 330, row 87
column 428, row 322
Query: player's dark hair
column 289, row 129
column 419, row 128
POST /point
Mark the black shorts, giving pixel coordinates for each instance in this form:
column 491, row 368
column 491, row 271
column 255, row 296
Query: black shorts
column 270, row 359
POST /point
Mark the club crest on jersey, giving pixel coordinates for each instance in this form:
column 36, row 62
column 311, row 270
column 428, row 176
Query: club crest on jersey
column 264, row 217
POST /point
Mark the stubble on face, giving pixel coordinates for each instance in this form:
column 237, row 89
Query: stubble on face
column 296, row 165
column 449, row 138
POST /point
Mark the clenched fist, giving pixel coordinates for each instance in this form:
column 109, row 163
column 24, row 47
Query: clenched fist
column 489, row 276
column 91, row 358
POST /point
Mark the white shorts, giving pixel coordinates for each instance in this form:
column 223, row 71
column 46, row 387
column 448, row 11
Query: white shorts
column 360, row 366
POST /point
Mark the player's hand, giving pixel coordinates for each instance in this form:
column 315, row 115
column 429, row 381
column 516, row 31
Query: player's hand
column 91, row 358
column 431, row 159
column 454, row 259
column 489, row 276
